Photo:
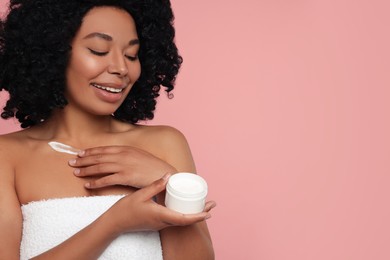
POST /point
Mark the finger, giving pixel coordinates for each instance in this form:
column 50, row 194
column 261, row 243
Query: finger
column 174, row 218
column 209, row 206
column 93, row 159
column 100, row 150
column 153, row 189
column 109, row 180
column 99, row 169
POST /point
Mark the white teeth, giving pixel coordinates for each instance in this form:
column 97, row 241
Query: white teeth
column 113, row 90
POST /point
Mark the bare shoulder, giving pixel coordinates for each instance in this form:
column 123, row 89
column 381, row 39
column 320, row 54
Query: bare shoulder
column 6, row 161
column 163, row 134
column 163, row 138
column 11, row 148
column 12, row 145
column 155, row 135
column 9, row 144
column 169, row 144
column 10, row 217
column 14, row 148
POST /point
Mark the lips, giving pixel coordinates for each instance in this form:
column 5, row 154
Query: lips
column 111, row 88
column 109, row 92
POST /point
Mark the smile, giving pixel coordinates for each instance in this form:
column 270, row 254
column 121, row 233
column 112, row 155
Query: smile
column 108, row 89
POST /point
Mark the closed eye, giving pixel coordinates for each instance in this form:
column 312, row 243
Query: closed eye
column 131, row 58
column 98, row 53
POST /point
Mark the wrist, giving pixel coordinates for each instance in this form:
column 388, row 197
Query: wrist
column 112, row 219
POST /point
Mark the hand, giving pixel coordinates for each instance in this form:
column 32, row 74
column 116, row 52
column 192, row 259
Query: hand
column 138, row 212
column 119, row 165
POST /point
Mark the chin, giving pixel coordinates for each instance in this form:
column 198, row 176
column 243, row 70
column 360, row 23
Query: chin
column 103, row 112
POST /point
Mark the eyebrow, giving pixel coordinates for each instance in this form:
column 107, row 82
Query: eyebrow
column 109, row 38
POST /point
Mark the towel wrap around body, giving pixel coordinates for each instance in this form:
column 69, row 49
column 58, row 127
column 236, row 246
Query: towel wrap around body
column 48, row 223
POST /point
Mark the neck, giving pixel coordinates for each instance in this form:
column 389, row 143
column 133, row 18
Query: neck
column 76, row 128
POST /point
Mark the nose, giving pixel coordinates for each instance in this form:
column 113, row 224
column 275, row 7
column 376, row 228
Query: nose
column 118, row 64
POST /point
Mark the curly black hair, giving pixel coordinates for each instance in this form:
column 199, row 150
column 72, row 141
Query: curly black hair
column 35, row 47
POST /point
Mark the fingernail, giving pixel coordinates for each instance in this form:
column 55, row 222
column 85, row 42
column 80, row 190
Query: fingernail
column 207, row 216
column 72, row 162
column 81, row 153
column 76, row 171
column 87, row 185
column 166, row 176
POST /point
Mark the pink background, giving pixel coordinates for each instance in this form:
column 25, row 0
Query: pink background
column 286, row 107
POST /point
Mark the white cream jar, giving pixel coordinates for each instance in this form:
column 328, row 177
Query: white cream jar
column 186, row 193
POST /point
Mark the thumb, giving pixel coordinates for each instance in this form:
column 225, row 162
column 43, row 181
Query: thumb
column 153, row 189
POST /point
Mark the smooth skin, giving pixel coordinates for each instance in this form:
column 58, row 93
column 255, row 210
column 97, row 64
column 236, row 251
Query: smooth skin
column 126, row 159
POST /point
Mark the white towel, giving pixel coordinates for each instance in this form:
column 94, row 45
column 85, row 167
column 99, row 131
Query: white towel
column 48, row 223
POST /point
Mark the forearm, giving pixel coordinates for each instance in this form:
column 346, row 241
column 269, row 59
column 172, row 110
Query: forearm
column 89, row 243
column 190, row 242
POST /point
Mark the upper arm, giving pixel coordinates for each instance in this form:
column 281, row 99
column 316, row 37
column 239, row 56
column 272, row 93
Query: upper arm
column 10, row 213
column 176, row 150
column 194, row 237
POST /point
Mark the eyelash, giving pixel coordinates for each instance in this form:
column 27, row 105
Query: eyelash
column 130, row 58
column 97, row 52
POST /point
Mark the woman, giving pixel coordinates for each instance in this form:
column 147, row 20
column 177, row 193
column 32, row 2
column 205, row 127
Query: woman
column 83, row 73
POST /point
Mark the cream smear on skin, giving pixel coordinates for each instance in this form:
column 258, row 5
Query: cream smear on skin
column 63, row 148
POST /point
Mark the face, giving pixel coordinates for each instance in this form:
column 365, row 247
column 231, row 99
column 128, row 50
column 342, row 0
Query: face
column 104, row 61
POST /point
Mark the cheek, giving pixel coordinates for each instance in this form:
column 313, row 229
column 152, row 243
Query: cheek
column 135, row 72
column 84, row 67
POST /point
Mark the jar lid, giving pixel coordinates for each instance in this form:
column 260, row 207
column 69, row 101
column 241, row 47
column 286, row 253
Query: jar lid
column 187, row 185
